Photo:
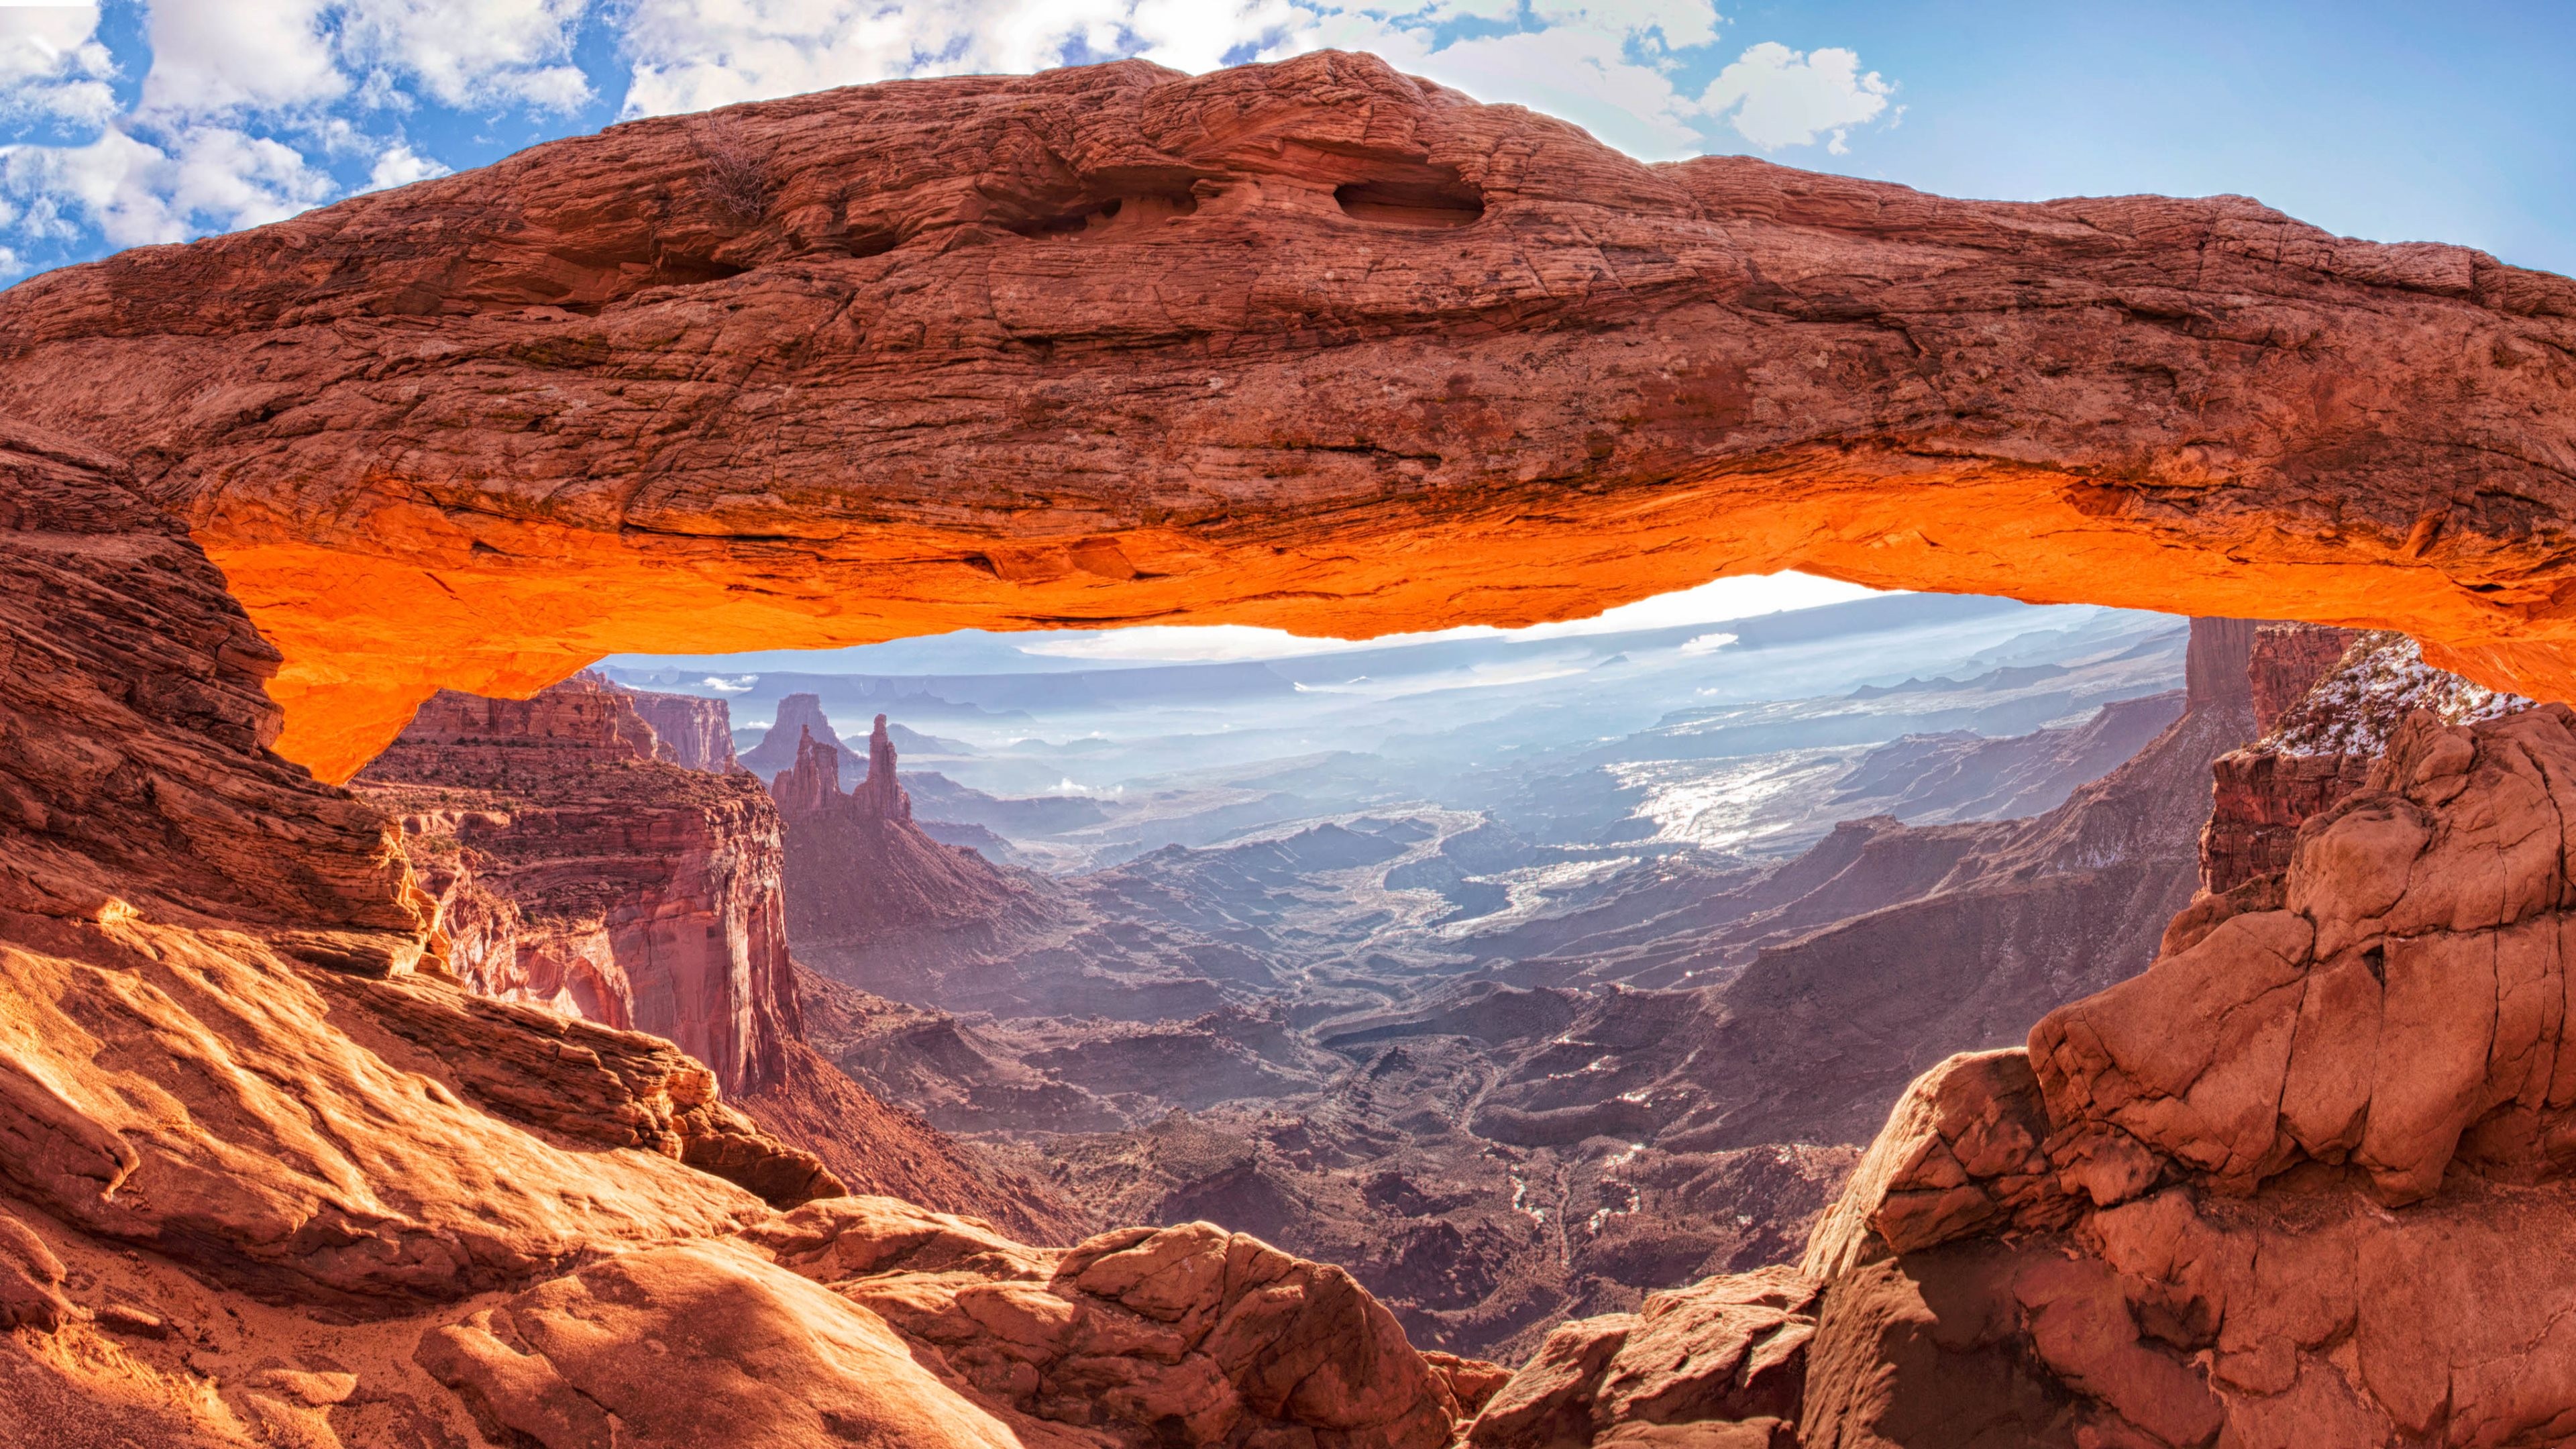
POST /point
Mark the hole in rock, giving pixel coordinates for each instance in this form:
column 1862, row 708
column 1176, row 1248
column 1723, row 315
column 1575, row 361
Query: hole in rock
column 1114, row 216
column 1436, row 203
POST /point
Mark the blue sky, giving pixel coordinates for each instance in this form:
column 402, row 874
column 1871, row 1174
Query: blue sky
column 129, row 123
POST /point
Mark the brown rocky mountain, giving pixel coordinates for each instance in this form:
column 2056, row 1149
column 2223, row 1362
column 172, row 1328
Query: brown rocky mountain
column 273, row 1174
column 571, row 864
column 574, row 868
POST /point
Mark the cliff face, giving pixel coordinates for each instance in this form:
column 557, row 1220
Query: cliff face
column 576, row 869
column 2303, row 1182
column 2328, row 702
column 1018, row 321
column 245, row 1111
column 694, row 732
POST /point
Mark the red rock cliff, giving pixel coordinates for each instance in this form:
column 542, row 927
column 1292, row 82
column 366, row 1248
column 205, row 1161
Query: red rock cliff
column 694, row 732
column 576, row 869
column 2334, row 699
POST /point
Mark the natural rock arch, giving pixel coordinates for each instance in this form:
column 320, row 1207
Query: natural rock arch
column 1312, row 345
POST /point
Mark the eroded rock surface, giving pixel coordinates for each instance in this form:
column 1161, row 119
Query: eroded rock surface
column 1144, row 1337
column 2299, row 1183
column 1115, row 343
column 2328, row 702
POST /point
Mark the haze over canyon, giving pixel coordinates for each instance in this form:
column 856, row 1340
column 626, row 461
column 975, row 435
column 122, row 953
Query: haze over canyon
column 2109, row 989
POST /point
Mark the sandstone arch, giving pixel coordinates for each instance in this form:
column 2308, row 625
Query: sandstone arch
column 1115, row 344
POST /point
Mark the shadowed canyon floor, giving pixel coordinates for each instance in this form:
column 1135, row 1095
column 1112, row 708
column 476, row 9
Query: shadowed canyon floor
column 297, row 1145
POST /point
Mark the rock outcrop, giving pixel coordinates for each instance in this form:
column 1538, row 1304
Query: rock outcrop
column 575, row 868
column 2335, row 699
column 224, row 1038
column 2299, row 1183
column 692, row 731
column 1311, row 345
column 800, row 716
column 1721, row 1364
column 858, row 867
column 1144, row 1337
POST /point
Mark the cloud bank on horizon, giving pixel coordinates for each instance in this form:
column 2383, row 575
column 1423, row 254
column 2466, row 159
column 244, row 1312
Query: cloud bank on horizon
column 130, row 123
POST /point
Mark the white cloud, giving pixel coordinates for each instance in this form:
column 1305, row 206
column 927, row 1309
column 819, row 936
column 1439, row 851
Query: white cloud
column 400, row 165
column 1775, row 96
column 52, row 66
column 135, row 192
column 215, row 57
column 222, row 57
column 689, row 55
column 474, row 52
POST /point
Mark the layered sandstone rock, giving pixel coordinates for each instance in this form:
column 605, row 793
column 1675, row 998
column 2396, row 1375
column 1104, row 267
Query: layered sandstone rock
column 134, row 729
column 694, row 732
column 575, row 868
column 1143, row 1337
column 2302, row 1182
column 200, row 1058
column 1720, row 1364
column 1114, row 343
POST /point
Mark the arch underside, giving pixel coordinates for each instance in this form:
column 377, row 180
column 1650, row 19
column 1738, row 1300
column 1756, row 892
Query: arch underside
column 1114, row 345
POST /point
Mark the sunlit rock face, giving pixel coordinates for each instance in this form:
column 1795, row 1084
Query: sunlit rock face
column 575, row 868
column 1312, row 345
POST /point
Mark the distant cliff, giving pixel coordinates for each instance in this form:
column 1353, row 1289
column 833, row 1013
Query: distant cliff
column 574, row 868
column 694, row 732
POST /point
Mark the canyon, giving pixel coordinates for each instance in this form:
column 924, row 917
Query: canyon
column 324, row 1122
column 1665, row 1075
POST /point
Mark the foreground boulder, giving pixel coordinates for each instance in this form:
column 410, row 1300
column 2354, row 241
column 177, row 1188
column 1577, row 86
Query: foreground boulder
column 2305, row 1181
column 1721, row 1364
column 1184, row 1335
